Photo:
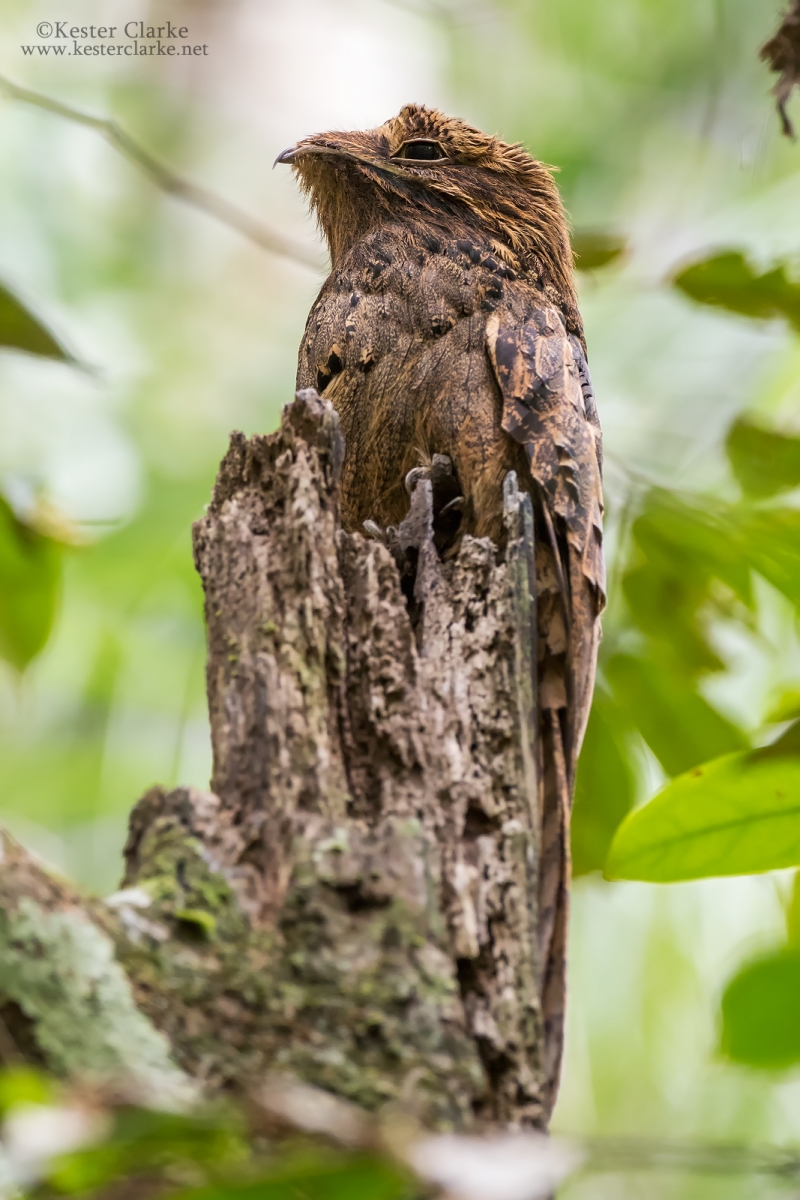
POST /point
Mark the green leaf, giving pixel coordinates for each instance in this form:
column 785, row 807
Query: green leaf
column 761, row 1012
column 764, row 462
column 604, row 788
column 728, row 281
column 21, row 330
column 771, row 543
column 30, row 582
column 679, row 725
column 592, row 250
column 735, row 816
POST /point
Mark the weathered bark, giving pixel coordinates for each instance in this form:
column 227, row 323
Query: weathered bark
column 355, row 900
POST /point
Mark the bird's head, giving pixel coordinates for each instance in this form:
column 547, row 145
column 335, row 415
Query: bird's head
column 423, row 168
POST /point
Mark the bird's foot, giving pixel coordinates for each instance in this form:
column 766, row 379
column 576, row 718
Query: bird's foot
column 434, row 515
column 388, row 535
column 447, row 501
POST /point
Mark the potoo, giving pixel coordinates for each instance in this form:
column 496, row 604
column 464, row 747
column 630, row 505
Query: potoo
column 449, row 326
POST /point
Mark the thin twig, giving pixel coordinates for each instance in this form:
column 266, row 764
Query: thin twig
column 637, row 1154
column 453, row 14
column 431, row 9
column 169, row 181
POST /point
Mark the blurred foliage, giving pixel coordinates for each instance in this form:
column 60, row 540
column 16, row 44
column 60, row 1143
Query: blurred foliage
column 30, row 582
column 605, row 787
column 119, row 1149
column 22, row 1086
column 728, row 281
column 92, row 1142
column 764, row 462
column 759, row 1012
column 759, row 1007
column 785, row 708
column 318, row 1177
column 21, row 330
column 30, row 560
column 143, row 1144
column 691, row 561
column 678, row 724
column 731, row 813
column 593, row 249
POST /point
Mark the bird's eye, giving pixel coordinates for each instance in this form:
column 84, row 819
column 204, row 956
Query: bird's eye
column 422, row 151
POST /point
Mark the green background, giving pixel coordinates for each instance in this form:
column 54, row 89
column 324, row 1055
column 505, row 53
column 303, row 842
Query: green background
column 658, row 115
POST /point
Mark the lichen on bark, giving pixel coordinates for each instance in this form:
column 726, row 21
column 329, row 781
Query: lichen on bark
column 60, row 973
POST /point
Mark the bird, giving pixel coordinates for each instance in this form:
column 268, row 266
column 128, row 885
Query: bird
column 448, row 332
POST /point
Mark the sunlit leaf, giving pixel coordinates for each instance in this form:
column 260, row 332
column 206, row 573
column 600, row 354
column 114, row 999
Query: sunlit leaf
column 679, row 725
column 30, row 579
column 21, row 330
column 764, row 462
column 728, row 281
column 592, row 250
column 737, row 815
column 604, row 789
column 761, row 1012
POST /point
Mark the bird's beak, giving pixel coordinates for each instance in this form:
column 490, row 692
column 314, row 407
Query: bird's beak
column 286, row 156
column 303, row 148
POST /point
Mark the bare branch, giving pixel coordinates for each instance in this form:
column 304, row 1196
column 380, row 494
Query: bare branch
column 720, row 1158
column 169, row 181
column 448, row 13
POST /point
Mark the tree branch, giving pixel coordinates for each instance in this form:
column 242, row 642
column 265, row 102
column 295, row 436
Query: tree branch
column 169, row 181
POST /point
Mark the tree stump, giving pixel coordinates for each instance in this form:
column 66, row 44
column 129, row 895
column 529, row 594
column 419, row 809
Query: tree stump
column 354, row 901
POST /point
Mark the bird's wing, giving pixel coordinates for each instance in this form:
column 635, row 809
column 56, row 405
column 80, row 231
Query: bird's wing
column 548, row 407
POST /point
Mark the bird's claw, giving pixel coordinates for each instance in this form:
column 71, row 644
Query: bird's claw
column 373, row 530
column 415, row 475
column 440, row 473
column 444, row 501
column 448, row 503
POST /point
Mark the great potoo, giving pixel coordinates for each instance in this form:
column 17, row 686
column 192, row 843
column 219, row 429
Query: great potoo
column 449, row 326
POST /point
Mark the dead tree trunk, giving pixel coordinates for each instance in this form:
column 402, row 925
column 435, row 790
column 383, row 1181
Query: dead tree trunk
column 354, row 902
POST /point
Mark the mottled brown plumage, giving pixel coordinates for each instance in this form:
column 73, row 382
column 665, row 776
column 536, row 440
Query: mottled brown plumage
column 449, row 325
